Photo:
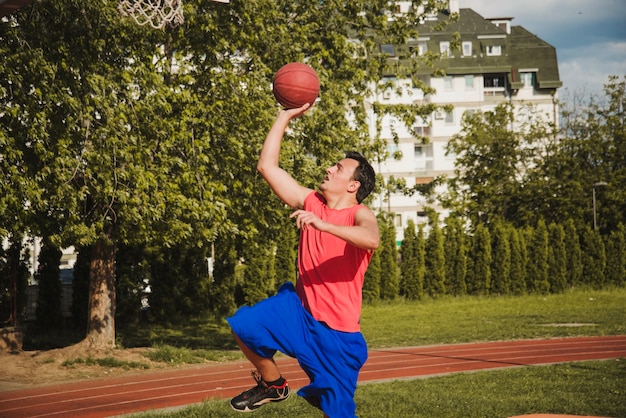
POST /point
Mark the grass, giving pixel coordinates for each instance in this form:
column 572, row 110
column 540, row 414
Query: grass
column 109, row 362
column 471, row 319
column 581, row 388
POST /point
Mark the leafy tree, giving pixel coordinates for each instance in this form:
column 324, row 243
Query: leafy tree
column 13, row 281
column 501, row 261
column 390, row 273
column 574, row 265
column 286, row 255
column 537, row 271
column 48, row 315
column 557, row 258
column 455, row 256
column 493, row 151
column 117, row 134
column 479, row 267
column 616, row 256
column 593, row 258
column 371, row 283
column 434, row 261
column 80, row 289
column 518, row 261
column 409, row 264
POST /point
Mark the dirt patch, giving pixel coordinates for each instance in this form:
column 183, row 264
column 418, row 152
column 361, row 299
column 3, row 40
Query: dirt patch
column 25, row 369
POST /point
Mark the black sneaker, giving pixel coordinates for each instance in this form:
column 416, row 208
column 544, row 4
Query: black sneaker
column 253, row 399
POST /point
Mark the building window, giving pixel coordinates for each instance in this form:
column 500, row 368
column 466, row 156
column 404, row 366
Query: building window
column 418, row 151
column 398, row 220
column 392, row 151
column 449, row 118
column 444, row 48
column 420, row 49
column 467, row 49
column 448, row 83
column 494, row 80
column 494, row 50
column 388, row 49
column 528, row 79
column 469, row 82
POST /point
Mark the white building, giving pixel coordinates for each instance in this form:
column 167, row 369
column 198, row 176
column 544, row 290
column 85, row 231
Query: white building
column 495, row 63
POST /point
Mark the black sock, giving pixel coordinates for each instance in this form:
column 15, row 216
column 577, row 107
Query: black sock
column 278, row 382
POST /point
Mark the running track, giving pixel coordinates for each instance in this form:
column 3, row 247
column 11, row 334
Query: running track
column 123, row 395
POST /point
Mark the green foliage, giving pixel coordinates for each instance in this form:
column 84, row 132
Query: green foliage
column 519, row 261
column 557, row 258
column 13, row 281
column 537, row 271
column 371, row 283
column 434, row 262
column 390, row 272
column 455, row 256
column 479, row 262
column 593, row 258
column 616, row 257
column 48, row 315
column 412, row 263
column 574, row 260
column 501, row 260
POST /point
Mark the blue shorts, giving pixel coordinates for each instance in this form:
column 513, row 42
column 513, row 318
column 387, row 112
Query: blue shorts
column 332, row 359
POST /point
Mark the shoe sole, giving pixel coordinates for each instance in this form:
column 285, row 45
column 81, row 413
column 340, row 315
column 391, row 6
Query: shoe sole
column 266, row 401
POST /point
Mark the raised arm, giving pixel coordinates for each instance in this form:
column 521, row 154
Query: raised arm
column 281, row 182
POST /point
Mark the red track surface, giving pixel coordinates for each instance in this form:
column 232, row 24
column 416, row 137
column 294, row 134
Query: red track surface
column 118, row 396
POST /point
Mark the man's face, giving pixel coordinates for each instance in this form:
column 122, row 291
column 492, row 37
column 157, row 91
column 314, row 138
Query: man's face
column 339, row 178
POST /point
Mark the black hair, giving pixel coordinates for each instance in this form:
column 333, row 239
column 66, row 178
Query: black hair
column 364, row 174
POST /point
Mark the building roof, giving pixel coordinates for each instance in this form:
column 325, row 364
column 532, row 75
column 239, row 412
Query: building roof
column 520, row 49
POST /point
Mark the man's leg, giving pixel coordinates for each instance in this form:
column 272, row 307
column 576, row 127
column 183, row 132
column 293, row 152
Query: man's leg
column 271, row 387
column 265, row 366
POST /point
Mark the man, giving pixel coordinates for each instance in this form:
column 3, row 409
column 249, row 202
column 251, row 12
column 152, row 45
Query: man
column 318, row 321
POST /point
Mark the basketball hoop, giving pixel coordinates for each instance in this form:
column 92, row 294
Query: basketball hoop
column 156, row 13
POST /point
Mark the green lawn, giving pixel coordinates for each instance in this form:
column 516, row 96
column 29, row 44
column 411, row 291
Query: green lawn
column 582, row 388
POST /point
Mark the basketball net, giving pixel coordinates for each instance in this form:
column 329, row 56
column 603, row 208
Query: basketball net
column 156, row 13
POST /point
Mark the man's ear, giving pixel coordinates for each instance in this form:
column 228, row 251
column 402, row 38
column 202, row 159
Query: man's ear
column 354, row 186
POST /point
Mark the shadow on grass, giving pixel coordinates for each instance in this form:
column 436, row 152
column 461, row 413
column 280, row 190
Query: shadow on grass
column 198, row 333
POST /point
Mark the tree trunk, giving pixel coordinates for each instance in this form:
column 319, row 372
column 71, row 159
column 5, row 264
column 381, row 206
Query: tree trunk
column 101, row 321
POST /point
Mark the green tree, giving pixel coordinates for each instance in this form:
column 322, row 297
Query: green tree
column 501, row 261
column 557, row 258
column 616, row 256
column 537, row 271
column 286, row 255
column 390, row 272
column 118, row 134
column 434, row 261
column 593, row 258
column 48, row 315
column 479, row 267
column 493, row 153
column 455, row 256
column 574, row 263
column 518, row 261
column 13, row 281
column 409, row 263
column 371, row 283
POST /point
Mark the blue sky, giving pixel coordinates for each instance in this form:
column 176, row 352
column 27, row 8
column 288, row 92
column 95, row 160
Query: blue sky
column 589, row 36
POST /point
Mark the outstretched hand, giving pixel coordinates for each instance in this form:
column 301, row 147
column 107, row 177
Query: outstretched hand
column 296, row 112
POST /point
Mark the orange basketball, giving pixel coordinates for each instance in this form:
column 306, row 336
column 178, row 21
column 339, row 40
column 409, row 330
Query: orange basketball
column 295, row 84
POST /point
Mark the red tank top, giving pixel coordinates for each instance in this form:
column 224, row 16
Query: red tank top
column 331, row 271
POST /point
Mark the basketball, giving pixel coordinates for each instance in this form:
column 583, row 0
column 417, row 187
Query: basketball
column 295, row 84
